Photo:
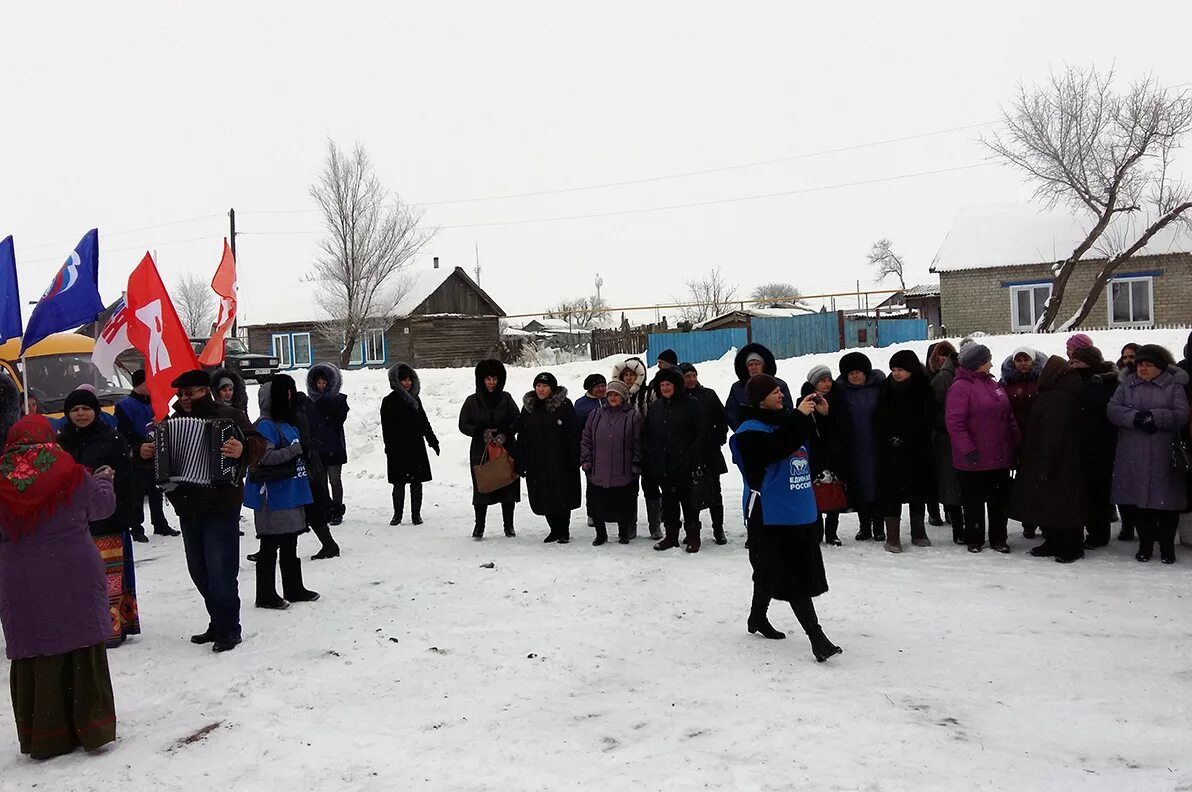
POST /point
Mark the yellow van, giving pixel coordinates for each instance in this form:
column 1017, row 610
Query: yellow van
column 59, row 364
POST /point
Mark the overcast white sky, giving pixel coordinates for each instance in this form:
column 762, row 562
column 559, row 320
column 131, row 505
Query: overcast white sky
column 134, row 114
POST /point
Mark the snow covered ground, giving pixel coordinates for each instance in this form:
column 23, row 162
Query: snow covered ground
column 620, row 668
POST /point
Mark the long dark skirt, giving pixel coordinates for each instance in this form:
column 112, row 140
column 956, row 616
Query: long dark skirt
column 613, row 504
column 63, row 701
column 947, row 484
column 786, row 560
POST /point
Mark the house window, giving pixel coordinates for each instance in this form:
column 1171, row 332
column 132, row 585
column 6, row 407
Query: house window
column 1027, row 304
column 1131, row 302
column 374, row 346
column 302, row 351
column 281, row 350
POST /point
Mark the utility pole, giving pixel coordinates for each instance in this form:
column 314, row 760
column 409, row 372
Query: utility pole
column 477, row 263
column 232, row 244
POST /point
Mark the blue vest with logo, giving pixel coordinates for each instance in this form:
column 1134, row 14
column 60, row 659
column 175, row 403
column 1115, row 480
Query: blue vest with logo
column 786, row 494
column 288, row 494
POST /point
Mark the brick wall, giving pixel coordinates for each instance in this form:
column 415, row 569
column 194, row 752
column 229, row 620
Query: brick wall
column 974, row 300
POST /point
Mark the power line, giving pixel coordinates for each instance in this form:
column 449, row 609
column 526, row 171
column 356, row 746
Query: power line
column 126, row 231
column 146, row 247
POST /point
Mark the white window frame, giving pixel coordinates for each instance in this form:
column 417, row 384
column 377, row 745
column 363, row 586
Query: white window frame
column 377, row 337
column 1016, row 325
column 1150, row 279
column 310, row 351
column 283, row 352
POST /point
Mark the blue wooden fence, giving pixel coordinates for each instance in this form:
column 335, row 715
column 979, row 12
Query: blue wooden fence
column 798, row 335
column 883, row 332
column 696, row 347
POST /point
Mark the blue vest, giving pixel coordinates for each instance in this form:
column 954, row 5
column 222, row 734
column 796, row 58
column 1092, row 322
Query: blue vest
column 786, row 494
column 288, row 494
column 139, row 414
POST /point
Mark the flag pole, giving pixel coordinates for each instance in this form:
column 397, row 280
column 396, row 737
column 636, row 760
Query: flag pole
column 25, row 376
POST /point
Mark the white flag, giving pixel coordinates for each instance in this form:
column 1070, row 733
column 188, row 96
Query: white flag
column 112, row 341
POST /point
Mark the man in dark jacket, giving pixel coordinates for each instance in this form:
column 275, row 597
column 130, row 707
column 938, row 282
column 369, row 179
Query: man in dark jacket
column 328, row 412
column 672, row 436
column 715, row 435
column 134, row 416
column 753, row 359
column 595, row 386
column 210, row 516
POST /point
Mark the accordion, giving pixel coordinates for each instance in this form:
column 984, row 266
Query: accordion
column 187, row 451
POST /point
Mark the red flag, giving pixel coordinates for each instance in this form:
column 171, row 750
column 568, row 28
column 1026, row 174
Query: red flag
column 223, row 284
column 154, row 329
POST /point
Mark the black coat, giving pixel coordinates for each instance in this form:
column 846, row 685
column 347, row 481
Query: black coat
column 1050, row 488
column 824, row 444
column 672, row 438
column 94, row 447
column 548, row 452
column 906, row 413
column 786, row 559
column 327, row 412
column 406, row 430
column 715, row 430
column 496, row 413
column 1098, row 437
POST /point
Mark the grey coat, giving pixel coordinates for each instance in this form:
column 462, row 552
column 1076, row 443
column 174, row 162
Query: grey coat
column 1143, row 474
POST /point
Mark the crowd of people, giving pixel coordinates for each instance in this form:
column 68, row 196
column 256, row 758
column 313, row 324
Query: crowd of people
column 1057, row 443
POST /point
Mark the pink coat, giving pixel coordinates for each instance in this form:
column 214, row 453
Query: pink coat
column 979, row 418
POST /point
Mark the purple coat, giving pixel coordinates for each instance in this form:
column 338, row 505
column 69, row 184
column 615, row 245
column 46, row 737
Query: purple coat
column 1142, row 472
column 610, row 446
column 979, row 418
column 53, row 593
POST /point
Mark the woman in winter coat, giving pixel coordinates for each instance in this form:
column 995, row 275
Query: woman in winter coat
column 860, row 387
column 228, row 388
column 712, row 466
column 770, row 449
column 95, row 445
column 610, row 454
column 985, row 438
column 328, row 412
column 672, row 436
column 1150, row 409
column 903, row 421
column 406, row 432
column 548, row 446
column 1051, row 490
column 1020, row 381
column 595, row 386
column 491, row 418
column 321, row 509
column 277, row 490
column 1098, row 440
column 827, row 458
column 751, row 360
column 632, row 371
column 942, row 372
column 53, row 595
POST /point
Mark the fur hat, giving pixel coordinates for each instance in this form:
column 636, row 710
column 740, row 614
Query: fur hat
column 594, row 380
column 818, row 373
column 855, row 361
column 195, row 378
column 671, row 375
column 973, row 355
column 80, row 398
column 618, row 387
column 1154, row 354
column 759, row 387
column 669, row 356
column 906, row 360
column 1089, row 356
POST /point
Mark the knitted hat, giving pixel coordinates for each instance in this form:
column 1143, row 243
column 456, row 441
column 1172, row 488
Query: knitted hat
column 592, row 380
column 855, row 361
column 195, row 378
column 688, row 368
column 80, row 398
column 906, row 360
column 138, row 378
column 758, row 388
column 546, row 378
column 1076, row 341
column 616, row 386
column 973, row 356
column 669, row 356
column 225, row 382
column 818, row 373
column 1154, row 354
column 1089, row 356
column 754, row 356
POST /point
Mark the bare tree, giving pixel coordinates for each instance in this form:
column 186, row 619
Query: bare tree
column 1105, row 155
column 195, row 302
column 585, row 312
column 887, row 262
column 709, row 297
column 371, row 239
column 768, row 293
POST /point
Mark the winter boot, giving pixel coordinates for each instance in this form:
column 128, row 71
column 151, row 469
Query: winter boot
column 1028, row 531
column 138, row 535
column 879, row 529
column 692, row 538
column 601, row 534
column 654, row 517
column 716, row 512
column 507, row 519
column 893, row 535
column 330, row 548
column 623, row 532
column 670, row 540
column 399, row 503
column 831, row 529
column 821, row 647
column 758, row 623
column 919, row 531
column 933, row 516
column 291, row 581
column 481, row 518
column 866, row 532
column 1167, row 544
column 267, row 587
column 416, row 504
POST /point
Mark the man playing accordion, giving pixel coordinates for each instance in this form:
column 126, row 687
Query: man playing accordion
column 209, row 512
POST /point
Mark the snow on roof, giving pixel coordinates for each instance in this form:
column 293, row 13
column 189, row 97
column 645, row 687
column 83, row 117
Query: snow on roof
column 759, row 313
column 423, row 283
column 923, row 290
column 1010, row 235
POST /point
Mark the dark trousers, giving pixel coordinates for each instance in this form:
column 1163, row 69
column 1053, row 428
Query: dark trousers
column 712, row 498
column 318, row 513
column 279, row 551
column 829, row 524
column 680, row 504
column 212, row 544
column 560, row 524
column 1066, row 542
column 145, row 488
column 981, row 491
column 506, row 514
column 1155, row 525
column 335, row 478
column 399, row 499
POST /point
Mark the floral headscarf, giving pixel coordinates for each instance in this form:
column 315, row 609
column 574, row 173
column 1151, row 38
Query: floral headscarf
column 36, row 476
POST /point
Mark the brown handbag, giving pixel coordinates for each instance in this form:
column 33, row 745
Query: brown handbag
column 495, row 471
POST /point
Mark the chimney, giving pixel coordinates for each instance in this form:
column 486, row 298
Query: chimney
column 436, row 262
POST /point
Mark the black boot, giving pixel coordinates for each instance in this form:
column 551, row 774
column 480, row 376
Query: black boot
column 831, row 529
column 670, row 539
column 138, row 535
column 933, row 515
column 879, row 529
column 758, row 623
column 267, row 583
column 330, row 548
column 654, row 517
column 716, row 514
column 623, row 532
column 866, row 532
column 399, row 503
column 416, row 503
column 601, row 534
column 507, row 519
column 1167, row 543
column 481, row 518
column 821, row 647
column 291, row 581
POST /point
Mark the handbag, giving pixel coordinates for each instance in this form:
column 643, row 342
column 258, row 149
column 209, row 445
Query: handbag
column 830, row 495
column 495, row 471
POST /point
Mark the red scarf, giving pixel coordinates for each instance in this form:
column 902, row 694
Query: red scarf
column 36, row 477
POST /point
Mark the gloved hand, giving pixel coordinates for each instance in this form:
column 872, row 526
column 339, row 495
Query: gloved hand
column 972, row 457
column 1144, row 421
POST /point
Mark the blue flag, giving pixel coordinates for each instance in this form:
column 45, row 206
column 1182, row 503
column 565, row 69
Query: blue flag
column 73, row 297
column 10, row 295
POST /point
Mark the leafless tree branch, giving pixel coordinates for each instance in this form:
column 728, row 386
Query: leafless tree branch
column 887, row 262
column 710, row 296
column 195, row 302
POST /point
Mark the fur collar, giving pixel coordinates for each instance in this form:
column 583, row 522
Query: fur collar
column 532, row 403
column 329, row 372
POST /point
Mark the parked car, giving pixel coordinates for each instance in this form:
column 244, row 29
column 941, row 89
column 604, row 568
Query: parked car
column 237, row 357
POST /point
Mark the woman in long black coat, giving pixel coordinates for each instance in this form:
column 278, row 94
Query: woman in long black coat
column 905, row 459
column 490, row 416
column 406, row 432
column 1050, row 489
column 1098, row 439
column 548, row 455
column 328, row 413
column 828, row 460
